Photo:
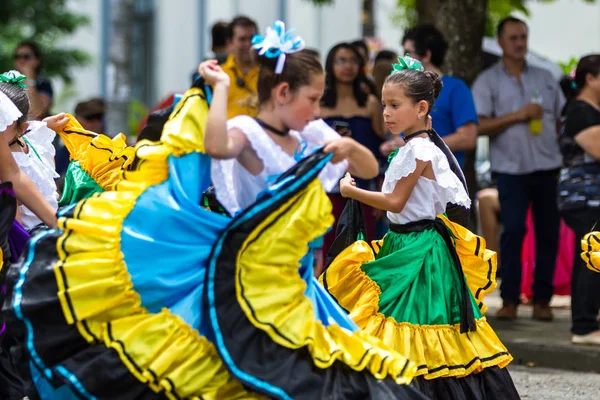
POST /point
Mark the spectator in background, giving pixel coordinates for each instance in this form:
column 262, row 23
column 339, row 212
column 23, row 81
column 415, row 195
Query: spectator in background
column 580, row 192
column 351, row 112
column 242, row 68
column 525, row 159
column 221, row 41
column 454, row 115
column 90, row 114
column 382, row 67
column 363, row 50
column 29, row 62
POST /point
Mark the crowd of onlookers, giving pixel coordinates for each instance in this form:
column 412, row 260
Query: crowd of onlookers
column 543, row 150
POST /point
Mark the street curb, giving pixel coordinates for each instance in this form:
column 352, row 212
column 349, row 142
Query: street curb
column 567, row 357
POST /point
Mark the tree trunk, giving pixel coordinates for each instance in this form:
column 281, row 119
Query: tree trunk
column 463, row 24
column 119, row 67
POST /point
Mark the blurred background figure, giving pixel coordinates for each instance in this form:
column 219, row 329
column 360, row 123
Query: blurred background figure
column 454, row 115
column 29, row 62
column 90, row 114
column 242, row 68
column 579, row 192
column 353, row 112
column 221, row 41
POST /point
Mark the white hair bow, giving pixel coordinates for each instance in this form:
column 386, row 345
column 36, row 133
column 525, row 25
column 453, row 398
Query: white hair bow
column 277, row 43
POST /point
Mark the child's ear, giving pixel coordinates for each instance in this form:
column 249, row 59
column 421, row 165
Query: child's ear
column 423, row 109
column 282, row 93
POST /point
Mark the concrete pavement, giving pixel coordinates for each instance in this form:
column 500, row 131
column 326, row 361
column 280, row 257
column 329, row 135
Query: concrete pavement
column 543, row 344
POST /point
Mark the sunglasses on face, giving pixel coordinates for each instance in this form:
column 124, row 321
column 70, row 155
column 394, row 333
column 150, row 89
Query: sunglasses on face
column 23, row 56
column 94, row 117
column 344, row 61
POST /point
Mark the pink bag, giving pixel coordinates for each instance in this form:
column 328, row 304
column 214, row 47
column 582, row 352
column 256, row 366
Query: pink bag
column 564, row 260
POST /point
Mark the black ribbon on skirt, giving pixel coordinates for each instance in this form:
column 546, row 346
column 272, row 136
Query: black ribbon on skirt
column 467, row 318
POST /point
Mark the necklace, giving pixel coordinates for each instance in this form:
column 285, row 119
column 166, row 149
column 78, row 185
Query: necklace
column 271, row 128
column 417, row 133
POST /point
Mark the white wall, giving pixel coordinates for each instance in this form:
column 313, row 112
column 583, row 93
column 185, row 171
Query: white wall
column 564, row 29
column 86, row 80
column 176, row 38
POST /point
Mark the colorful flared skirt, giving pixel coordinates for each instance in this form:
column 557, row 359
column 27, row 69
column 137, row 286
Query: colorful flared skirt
column 407, row 291
column 144, row 293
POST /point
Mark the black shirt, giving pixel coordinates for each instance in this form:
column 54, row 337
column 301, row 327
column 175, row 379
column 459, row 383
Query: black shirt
column 577, row 116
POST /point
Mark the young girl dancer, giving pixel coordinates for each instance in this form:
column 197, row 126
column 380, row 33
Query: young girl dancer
column 415, row 293
column 142, row 329
column 249, row 155
column 13, row 120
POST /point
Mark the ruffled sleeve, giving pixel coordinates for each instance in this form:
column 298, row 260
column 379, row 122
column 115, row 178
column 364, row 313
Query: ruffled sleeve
column 41, row 138
column 316, row 134
column 423, row 149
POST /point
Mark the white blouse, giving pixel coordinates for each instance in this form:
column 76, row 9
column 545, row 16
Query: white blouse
column 429, row 197
column 236, row 188
column 38, row 165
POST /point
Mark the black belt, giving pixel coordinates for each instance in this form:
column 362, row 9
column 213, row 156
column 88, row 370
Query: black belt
column 467, row 318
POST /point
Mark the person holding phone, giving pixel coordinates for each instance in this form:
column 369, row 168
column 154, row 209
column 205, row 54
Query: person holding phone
column 352, row 113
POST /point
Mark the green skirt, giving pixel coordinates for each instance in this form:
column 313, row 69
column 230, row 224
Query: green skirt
column 418, row 280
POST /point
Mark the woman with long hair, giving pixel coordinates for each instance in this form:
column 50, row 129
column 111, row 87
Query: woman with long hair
column 351, row 112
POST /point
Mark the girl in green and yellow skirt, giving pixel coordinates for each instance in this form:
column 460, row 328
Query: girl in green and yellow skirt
column 421, row 288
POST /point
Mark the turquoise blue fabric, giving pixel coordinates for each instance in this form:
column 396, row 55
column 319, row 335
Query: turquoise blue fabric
column 327, row 310
column 167, row 238
column 168, row 223
column 47, row 392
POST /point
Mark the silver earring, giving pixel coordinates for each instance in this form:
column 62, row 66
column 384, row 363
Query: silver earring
column 419, row 117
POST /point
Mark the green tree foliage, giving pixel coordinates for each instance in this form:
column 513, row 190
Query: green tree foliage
column 44, row 22
column 497, row 10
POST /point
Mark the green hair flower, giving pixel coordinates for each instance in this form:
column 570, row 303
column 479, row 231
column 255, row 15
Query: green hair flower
column 14, row 77
column 406, row 62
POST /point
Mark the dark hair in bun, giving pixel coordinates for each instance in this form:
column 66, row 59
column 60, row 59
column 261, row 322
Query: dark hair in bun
column 298, row 70
column 418, row 85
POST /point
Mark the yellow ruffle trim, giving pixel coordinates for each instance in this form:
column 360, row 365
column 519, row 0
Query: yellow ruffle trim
column 438, row 351
column 158, row 349
column 590, row 246
column 268, row 257
column 101, row 157
column 479, row 263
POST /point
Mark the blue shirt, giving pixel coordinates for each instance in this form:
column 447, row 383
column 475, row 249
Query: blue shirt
column 453, row 109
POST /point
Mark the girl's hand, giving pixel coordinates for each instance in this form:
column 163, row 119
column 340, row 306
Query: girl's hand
column 341, row 148
column 391, row 145
column 213, row 73
column 56, row 122
column 346, row 185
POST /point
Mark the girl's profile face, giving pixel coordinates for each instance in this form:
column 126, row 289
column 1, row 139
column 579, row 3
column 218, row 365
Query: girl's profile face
column 399, row 112
column 305, row 104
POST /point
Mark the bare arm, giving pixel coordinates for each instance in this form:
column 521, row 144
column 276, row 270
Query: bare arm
column 218, row 142
column 589, row 140
column 361, row 160
column 394, row 201
column 376, row 116
column 465, row 138
column 27, row 193
column 494, row 126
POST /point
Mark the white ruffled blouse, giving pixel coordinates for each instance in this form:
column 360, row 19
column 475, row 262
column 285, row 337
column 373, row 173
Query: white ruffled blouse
column 38, row 165
column 429, row 197
column 236, row 188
